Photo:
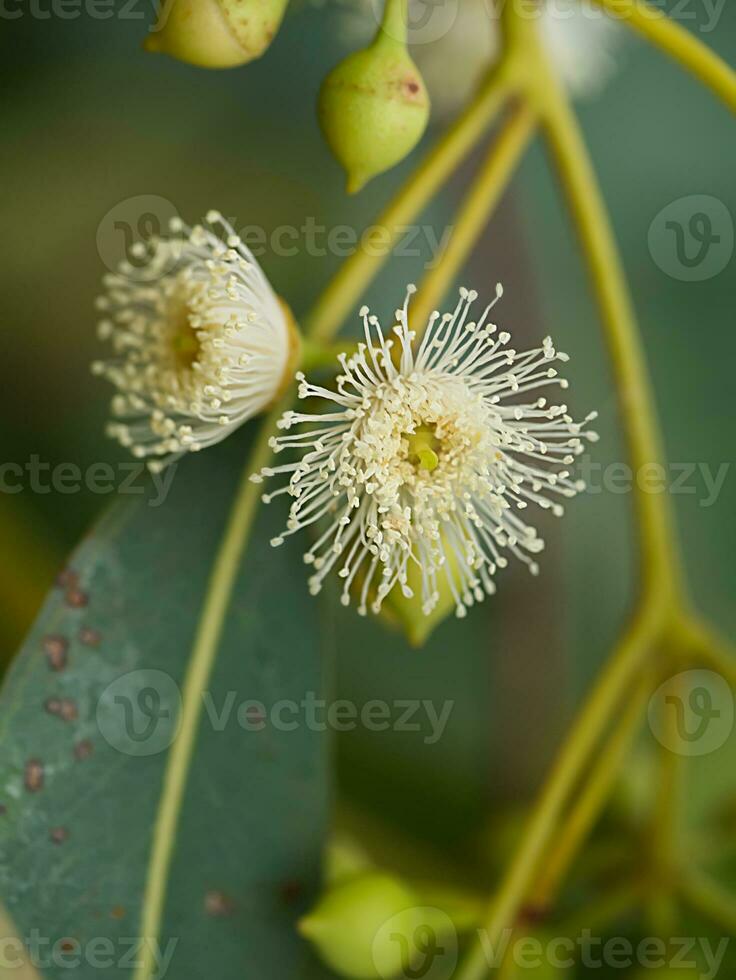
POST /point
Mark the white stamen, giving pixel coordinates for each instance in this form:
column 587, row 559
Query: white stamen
column 200, row 340
column 434, row 459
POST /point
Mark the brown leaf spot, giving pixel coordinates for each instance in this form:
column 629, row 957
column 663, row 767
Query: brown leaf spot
column 68, row 710
column 33, row 775
column 58, row 835
column 255, row 715
column 63, row 708
column 217, row 903
column 83, row 750
column 90, row 637
column 57, row 650
column 76, row 598
column 117, row 912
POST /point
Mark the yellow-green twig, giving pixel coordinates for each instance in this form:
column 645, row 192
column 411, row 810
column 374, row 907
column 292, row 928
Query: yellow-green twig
column 660, row 561
column 665, row 829
column 201, row 661
column 702, row 644
column 610, row 907
column 590, row 803
column 708, row 898
column 694, row 56
column 574, row 756
column 486, row 190
column 356, row 273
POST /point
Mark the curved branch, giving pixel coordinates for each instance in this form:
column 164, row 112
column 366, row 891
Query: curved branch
column 472, row 216
column 356, row 273
column 694, row 56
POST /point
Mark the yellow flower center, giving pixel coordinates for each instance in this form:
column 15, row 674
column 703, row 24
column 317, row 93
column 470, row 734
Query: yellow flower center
column 184, row 342
column 423, row 446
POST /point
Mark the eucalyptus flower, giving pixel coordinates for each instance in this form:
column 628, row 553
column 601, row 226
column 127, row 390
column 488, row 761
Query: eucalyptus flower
column 453, row 47
column 426, row 455
column 201, row 342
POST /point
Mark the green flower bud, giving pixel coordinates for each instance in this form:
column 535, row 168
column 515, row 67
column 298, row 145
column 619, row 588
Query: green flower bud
column 407, row 611
column 366, row 927
column 373, row 108
column 215, row 33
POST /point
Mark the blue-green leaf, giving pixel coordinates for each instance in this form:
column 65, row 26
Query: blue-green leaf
column 117, row 847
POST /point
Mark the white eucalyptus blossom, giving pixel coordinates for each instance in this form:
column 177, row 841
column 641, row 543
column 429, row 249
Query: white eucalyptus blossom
column 428, row 454
column 201, row 342
column 453, row 45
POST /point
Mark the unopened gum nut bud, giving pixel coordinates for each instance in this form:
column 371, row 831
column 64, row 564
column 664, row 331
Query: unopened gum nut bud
column 215, row 33
column 346, row 925
column 373, row 109
column 407, row 611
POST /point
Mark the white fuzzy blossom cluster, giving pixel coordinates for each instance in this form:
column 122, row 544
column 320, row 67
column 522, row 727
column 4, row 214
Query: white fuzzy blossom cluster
column 454, row 43
column 201, row 342
column 427, row 455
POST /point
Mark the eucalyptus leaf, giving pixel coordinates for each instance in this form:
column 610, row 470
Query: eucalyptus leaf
column 102, row 819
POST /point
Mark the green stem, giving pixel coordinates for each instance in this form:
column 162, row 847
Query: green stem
column 17, row 962
column 315, row 356
column 706, row 646
column 201, row 662
column 709, row 899
column 491, row 181
column 675, row 41
column 609, row 908
column 660, row 560
column 356, row 273
column 394, row 23
column 574, row 756
column 588, row 806
column 665, row 830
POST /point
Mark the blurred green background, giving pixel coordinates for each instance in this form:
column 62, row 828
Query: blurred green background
column 89, row 121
